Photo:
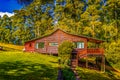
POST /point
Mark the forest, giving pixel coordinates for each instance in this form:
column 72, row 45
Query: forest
column 93, row 18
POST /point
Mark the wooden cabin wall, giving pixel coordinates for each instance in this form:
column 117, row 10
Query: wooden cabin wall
column 30, row 46
column 59, row 37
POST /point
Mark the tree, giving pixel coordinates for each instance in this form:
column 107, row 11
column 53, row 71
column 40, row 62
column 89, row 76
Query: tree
column 30, row 22
column 22, row 30
column 112, row 14
column 5, row 29
column 113, row 53
column 24, row 2
column 91, row 18
column 68, row 13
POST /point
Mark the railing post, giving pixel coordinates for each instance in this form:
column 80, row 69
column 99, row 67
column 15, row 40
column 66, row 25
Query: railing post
column 77, row 59
column 103, row 64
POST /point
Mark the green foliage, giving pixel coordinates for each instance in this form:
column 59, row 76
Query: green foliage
column 68, row 74
column 113, row 53
column 16, row 65
column 64, row 51
column 27, row 23
column 65, row 47
column 5, row 29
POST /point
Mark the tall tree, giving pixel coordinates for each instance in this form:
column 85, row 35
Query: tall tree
column 68, row 14
column 91, row 18
column 112, row 12
column 5, row 29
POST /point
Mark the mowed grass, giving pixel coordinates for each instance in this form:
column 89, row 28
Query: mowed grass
column 17, row 65
column 87, row 74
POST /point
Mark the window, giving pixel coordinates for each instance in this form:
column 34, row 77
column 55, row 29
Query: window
column 40, row 45
column 79, row 44
column 53, row 44
column 36, row 45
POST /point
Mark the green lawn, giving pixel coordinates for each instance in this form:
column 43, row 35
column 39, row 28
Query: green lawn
column 27, row 66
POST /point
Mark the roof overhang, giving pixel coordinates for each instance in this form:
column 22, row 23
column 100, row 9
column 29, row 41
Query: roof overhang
column 90, row 39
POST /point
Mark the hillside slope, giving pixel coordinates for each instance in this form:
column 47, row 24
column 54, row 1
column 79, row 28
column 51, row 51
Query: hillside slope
column 87, row 74
column 10, row 47
column 17, row 65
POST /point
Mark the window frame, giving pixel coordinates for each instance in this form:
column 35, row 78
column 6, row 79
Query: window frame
column 80, row 44
column 40, row 45
column 53, row 44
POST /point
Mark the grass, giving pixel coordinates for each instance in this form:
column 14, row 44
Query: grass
column 27, row 66
column 18, row 65
column 87, row 74
column 11, row 47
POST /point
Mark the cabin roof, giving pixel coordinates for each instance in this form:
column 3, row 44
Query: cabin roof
column 88, row 38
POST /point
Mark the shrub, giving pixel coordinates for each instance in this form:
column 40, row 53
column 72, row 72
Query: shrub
column 64, row 51
column 68, row 74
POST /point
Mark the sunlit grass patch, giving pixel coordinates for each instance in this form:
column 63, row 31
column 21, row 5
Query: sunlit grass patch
column 27, row 66
column 11, row 46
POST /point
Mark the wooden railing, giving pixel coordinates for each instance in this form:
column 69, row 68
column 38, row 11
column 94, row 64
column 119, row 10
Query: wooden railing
column 95, row 51
column 92, row 51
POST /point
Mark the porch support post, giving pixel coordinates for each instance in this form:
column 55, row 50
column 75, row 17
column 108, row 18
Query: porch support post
column 87, row 61
column 97, row 60
column 103, row 64
column 77, row 59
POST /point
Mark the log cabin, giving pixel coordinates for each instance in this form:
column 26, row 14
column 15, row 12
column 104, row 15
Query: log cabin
column 49, row 45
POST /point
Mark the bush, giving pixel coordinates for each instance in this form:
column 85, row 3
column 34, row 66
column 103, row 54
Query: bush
column 68, row 74
column 64, row 51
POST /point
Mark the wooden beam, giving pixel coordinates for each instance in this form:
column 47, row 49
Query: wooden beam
column 87, row 62
column 103, row 64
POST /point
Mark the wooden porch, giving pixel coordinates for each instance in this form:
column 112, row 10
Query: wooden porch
column 78, row 54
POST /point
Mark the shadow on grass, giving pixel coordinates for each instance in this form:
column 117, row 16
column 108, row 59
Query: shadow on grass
column 19, row 70
column 93, row 75
column 109, row 72
column 109, row 68
column 9, row 49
